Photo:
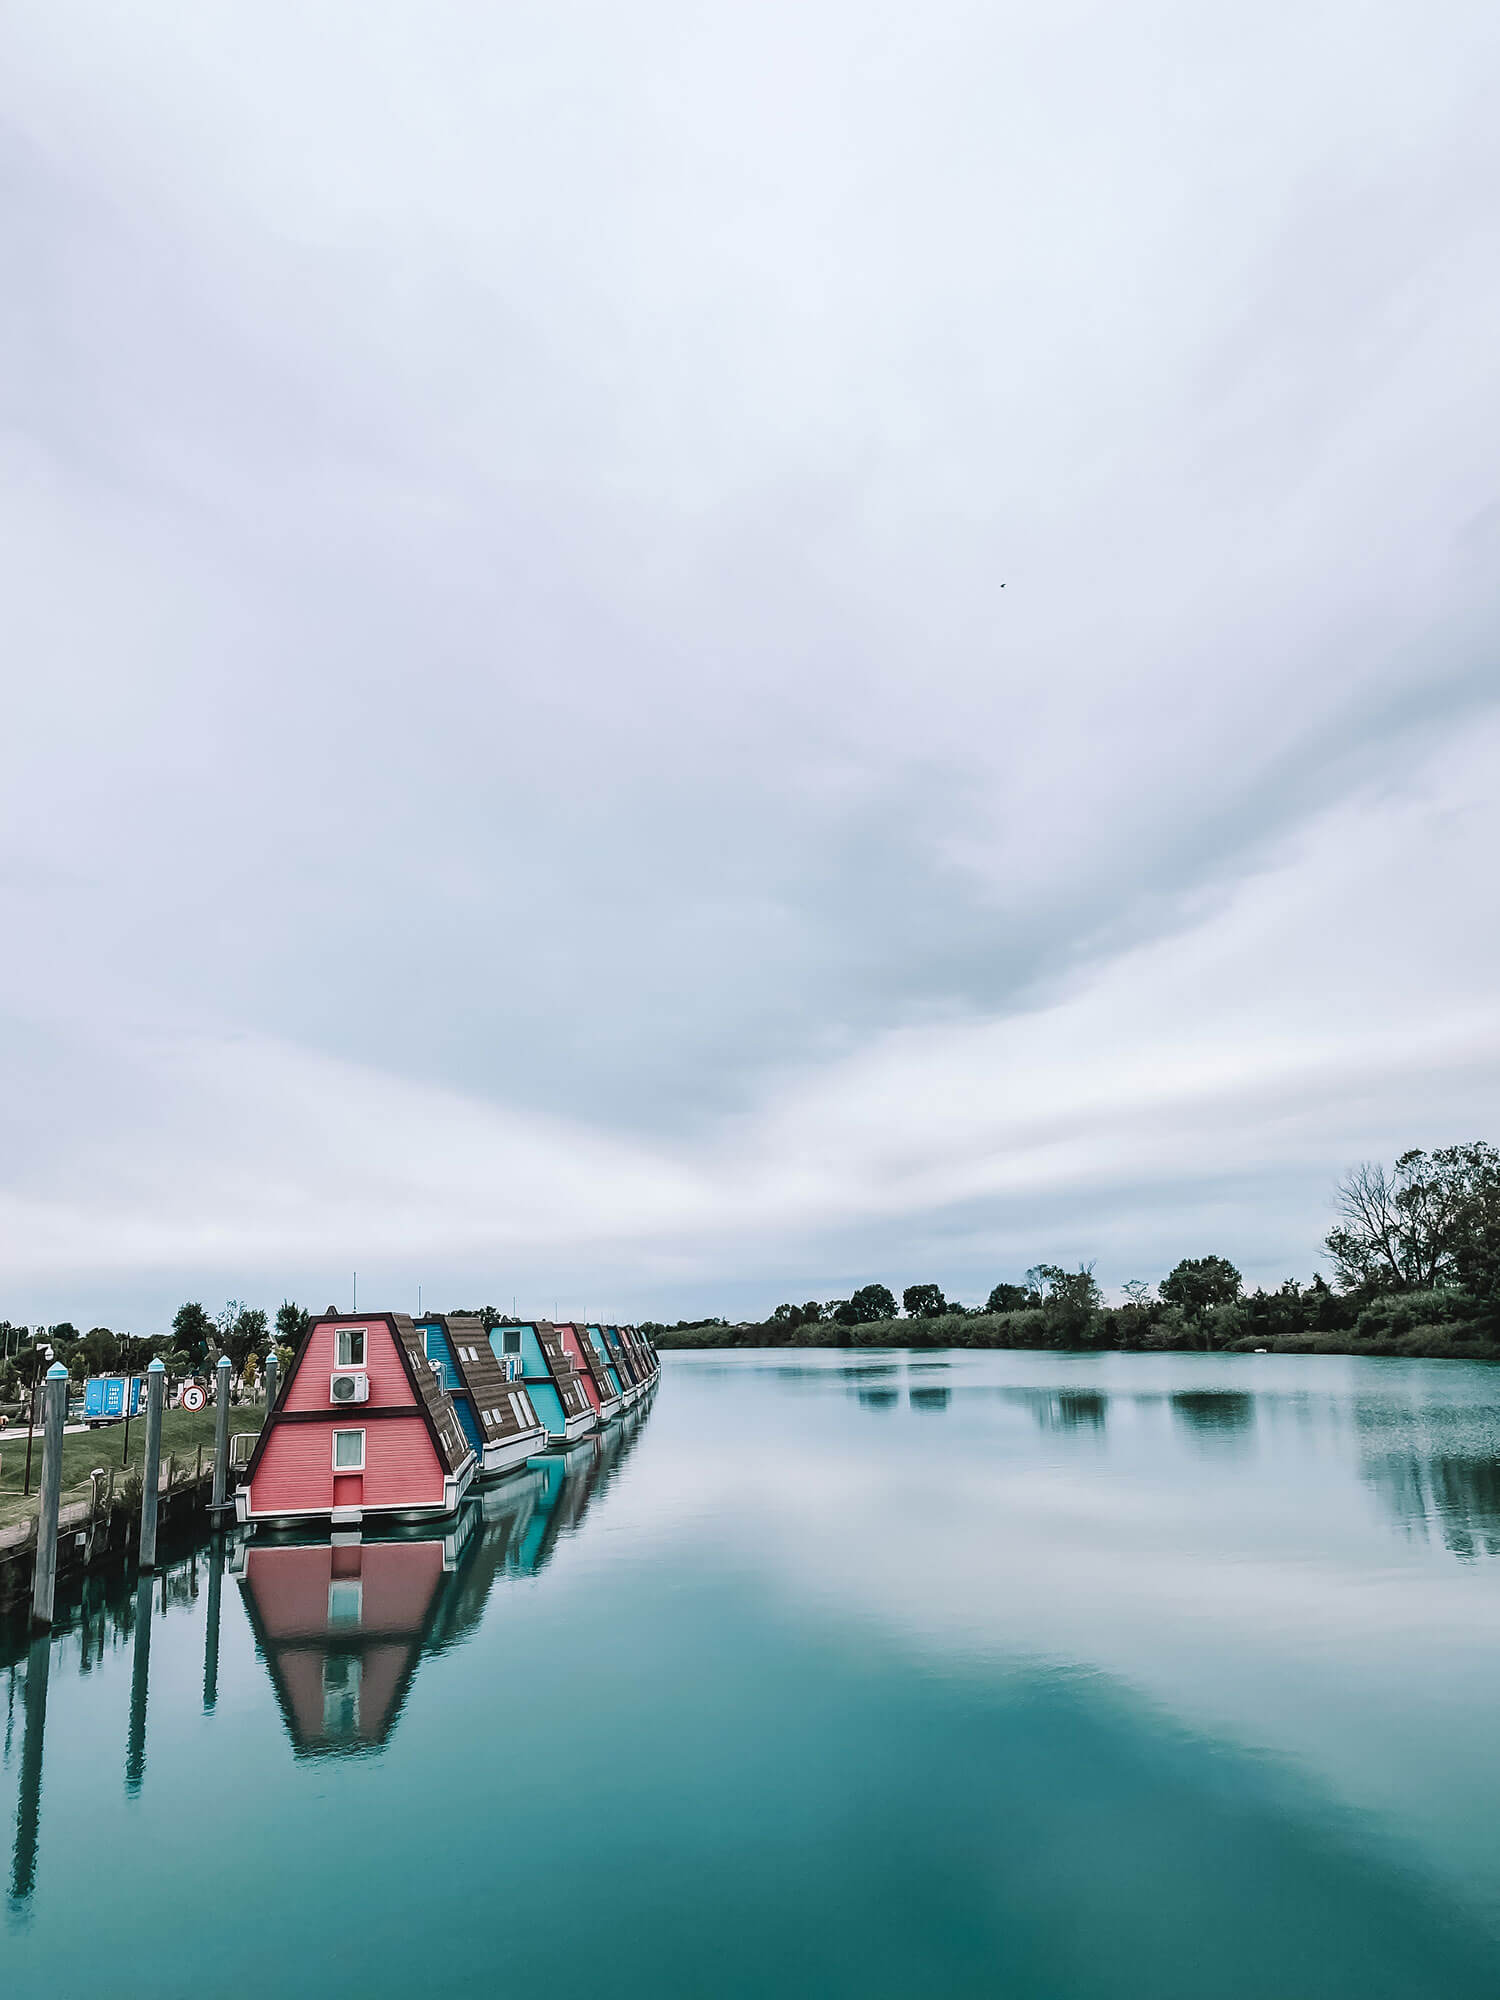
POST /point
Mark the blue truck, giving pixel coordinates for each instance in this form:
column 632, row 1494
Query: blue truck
column 107, row 1398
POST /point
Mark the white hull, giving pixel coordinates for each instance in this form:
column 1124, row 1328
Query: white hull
column 510, row 1452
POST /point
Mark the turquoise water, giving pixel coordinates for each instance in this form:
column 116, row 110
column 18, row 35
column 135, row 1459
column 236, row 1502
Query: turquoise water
column 1020, row 1675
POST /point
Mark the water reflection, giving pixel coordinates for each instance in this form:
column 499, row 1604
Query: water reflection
column 1215, row 1417
column 140, row 1687
column 1432, row 1461
column 341, row 1625
column 928, row 1399
column 29, row 1801
column 1063, row 1409
column 1458, row 1498
column 1152, row 1723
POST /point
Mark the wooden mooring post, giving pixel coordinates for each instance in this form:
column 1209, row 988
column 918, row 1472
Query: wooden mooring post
column 221, row 1437
column 156, row 1390
column 44, row 1581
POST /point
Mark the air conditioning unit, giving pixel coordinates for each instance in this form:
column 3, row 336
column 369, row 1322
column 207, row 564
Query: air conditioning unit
column 349, row 1387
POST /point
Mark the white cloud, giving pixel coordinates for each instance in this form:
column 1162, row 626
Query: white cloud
column 1227, row 1053
column 504, row 523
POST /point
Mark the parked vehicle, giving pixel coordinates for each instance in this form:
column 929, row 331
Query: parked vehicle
column 108, row 1398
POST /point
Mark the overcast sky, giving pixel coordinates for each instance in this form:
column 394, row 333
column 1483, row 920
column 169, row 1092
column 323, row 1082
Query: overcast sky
column 661, row 657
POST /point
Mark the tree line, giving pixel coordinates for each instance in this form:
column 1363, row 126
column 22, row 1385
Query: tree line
column 246, row 1334
column 1414, row 1257
column 1415, row 1269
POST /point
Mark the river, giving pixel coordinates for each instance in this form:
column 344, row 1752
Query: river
column 1118, row 1677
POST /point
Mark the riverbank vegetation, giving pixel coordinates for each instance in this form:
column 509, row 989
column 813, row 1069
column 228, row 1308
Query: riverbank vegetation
column 117, row 1449
column 192, row 1348
column 1415, row 1270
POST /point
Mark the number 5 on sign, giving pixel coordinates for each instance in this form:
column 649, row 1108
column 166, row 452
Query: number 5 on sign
column 193, row 1397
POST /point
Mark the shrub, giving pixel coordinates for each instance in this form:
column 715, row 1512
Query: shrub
column 1398, row 1313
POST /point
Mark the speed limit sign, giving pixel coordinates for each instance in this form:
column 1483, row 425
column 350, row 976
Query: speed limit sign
column 193, row 1398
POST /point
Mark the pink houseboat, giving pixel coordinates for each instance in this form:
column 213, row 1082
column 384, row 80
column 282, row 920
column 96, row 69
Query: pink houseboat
column 362, row 1428
column 593, row 1378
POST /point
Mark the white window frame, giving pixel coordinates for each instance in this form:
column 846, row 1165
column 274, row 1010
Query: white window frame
column 335, row 1451
column 346, row 1334
column 344, row 1586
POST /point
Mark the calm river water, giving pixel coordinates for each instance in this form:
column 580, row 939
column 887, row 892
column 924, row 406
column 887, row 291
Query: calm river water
column 1093, row 1678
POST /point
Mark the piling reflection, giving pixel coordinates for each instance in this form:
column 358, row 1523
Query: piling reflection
column 211, row 1634
column 341, row 1625
column 29, row 1800
column 140, row 1687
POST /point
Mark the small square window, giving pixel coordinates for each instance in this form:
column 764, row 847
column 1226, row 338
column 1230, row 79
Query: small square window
column 348, row 1451
column 351, row 1347
column 513, row 1340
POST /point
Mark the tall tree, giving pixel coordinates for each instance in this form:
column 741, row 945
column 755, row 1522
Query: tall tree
column 925, row 1302
column 192, row 1330
column 101, row 1350
column 1200, row 1282
column 1056, row 1286
column 248, row 1334
column 1401, row 1231
column 291, row 1323
column 873, row 1302
column 1476, row 1245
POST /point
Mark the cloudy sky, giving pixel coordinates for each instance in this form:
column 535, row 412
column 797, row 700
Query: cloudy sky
column 663, row 657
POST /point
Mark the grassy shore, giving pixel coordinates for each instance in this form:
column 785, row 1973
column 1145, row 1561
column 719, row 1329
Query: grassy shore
column 182, row 1432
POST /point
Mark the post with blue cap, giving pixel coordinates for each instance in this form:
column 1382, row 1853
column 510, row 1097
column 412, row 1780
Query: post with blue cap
column 156, row 1393
column 44, row 1587
column 221, row 1437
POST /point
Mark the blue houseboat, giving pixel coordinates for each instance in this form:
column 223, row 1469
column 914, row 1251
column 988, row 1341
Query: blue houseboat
column 624, row 1367
column 551, row 1381
column 490, row 1400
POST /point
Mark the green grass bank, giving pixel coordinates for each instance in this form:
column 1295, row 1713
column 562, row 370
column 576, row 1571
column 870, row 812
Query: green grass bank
column 183, row 1433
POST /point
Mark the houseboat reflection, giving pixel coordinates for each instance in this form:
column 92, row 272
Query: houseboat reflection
column 343, row 1624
